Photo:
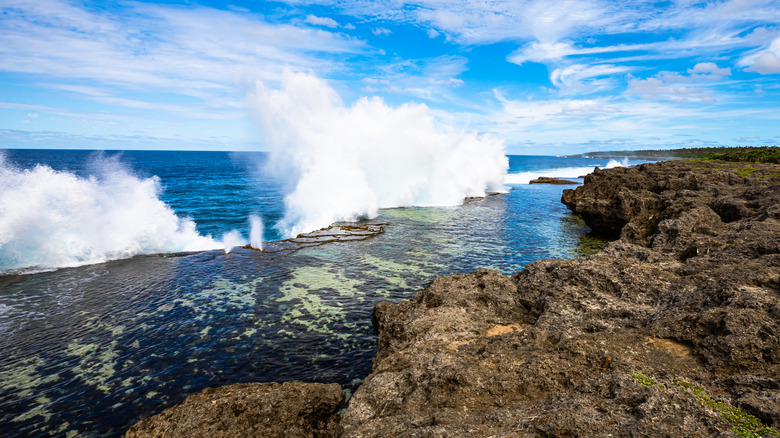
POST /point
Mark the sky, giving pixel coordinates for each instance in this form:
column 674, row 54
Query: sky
column 547, row 77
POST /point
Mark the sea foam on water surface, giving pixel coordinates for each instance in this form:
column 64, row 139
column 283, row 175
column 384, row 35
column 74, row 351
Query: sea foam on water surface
column 345, row 162
column 51, row 219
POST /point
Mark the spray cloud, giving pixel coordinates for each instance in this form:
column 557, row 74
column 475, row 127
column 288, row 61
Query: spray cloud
column 345, row 162
column 52, row 219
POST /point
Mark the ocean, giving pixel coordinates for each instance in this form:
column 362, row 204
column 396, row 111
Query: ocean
column 124, row 289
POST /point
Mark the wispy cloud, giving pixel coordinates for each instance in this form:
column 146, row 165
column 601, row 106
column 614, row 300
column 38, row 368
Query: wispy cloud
column 427, row 79
column 581, row 71
column 693, row 87
column 194, row 51
column 380, row 31
column 321, row 21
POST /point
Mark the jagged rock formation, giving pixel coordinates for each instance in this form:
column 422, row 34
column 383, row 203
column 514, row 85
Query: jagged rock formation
column 290, row 409
column 642, row 339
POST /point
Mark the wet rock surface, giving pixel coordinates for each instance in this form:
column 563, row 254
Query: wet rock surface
column 290, row 409
column 338, row 232
column 672, row 330
column 548, row 180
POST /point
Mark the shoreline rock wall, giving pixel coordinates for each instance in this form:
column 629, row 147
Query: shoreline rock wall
column 671, row 330
column 628, row 342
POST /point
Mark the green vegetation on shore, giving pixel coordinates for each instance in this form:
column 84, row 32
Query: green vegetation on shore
column 744, row 425
column 764, row 154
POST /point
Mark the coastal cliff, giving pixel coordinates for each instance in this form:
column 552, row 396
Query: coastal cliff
column 672, row 330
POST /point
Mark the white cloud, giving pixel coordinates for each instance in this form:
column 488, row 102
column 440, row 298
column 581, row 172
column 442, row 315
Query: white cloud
column 711, row 69
column 485, row 22
column 541, row 52
column 694, row 87
column 381, row 31
column 580, row 78
column 198, row 52
column 656, row 89
column 321, row 21
column 603, row 122
column 428, row 79
column 766, row 61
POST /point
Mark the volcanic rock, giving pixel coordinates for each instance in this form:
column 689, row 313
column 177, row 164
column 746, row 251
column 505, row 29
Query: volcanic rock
column 672, row 330
column 290, row 409
column 548, row 180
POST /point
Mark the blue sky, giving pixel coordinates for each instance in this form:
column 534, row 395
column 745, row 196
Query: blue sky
column 548, row 77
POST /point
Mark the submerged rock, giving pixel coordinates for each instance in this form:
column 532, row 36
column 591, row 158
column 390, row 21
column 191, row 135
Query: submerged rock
column 670, row 331
column 290, row 409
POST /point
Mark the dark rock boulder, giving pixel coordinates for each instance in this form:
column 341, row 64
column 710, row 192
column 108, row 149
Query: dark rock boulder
column 290, row 409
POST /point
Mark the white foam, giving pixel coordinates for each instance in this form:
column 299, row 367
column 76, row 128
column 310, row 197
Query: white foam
column 51, row 219
column 345, row 162
column 562, row 172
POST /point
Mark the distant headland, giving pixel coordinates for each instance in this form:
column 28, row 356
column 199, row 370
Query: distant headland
column 763, row 154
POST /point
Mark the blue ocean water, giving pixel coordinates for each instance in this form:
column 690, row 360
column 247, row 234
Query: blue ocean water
column 88, row 350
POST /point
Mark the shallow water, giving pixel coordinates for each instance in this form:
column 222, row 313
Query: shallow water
column 87, row 351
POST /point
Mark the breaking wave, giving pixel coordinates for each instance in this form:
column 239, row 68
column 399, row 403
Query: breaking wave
column 562, row 172
column 51, row 219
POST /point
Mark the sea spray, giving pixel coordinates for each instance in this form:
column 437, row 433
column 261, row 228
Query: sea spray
column 615, row 163
column 256, row 232
column 561, row 172
column 345, row 162
column 51, row 219
column 232, row 239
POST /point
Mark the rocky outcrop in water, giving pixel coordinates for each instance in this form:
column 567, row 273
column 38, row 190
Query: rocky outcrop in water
column 338, row 232
column 548, row 180
column 290, row 409
column 673, row 330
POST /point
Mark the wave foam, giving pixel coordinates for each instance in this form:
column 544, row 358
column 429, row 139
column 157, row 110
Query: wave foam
column 346, row 162
column 562, row 172
column 51, row 219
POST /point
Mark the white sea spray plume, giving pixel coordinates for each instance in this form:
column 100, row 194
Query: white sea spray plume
column 561, row 172
column 51, row 218
column 615, row 163
column 256, row 232
column 232, row 239
column 344, row 162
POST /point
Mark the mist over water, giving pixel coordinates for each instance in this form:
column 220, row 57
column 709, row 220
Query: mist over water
column 344, row 162
column 51, row 218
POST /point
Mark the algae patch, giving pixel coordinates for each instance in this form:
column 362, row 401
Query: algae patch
column 304, row 292
column 742, row 424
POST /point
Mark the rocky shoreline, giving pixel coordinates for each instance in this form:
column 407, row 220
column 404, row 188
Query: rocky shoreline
column 672, row 330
